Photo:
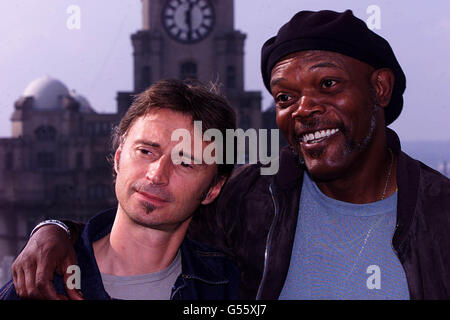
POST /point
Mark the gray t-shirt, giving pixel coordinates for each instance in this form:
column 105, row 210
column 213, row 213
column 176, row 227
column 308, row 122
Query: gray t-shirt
column 343, row 250
column 150, row 286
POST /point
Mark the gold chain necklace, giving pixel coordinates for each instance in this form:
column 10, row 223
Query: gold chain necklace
column 388, row 175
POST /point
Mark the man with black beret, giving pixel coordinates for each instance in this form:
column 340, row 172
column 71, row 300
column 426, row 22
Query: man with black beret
column 348, row 215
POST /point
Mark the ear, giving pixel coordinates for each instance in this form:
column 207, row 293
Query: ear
column 383, row 82
column 117, row 159
column 214, row 191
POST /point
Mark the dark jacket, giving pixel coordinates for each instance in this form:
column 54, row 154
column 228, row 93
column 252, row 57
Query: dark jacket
column 206, row 274
column 255, row 218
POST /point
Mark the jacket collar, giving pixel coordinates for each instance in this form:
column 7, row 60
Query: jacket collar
column 91, row 281
column 196, row 262
column 290, row 175
column 408, row 180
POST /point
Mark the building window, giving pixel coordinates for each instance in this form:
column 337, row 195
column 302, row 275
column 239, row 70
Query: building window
column 45, row 133
column 9, row 163
column 99, row 192
column 89, row 129
column 146, row 77
column 79, row 161
column 64, row 193
column 106, row 128
column 231, row 77
column 188, row 70
column 100, row 161
column 45, row 160
column 98, row 129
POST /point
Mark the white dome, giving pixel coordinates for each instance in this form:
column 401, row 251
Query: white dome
column 85, row 106
column 47, row 93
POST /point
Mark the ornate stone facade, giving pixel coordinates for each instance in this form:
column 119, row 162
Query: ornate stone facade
column 55, row 164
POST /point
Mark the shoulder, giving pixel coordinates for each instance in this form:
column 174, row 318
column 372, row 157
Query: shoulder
column 248, row 175
column 434, row 181
column 245, row 181
column 428, row 192
column 431, row 183
column 205, row 252
column 434, row 193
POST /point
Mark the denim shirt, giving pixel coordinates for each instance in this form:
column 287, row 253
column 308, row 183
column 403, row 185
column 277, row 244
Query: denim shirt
column 206, row 274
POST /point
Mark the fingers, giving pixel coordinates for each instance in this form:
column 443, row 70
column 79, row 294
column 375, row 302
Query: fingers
column 28, row 274
column 47, row 251
column 62, row 297
column 24, row 280
column 44, row 281
column 74, row 294
column 19, row 281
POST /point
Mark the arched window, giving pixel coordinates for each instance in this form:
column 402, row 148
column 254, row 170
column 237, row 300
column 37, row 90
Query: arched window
column 188, row 70
column 45, row 133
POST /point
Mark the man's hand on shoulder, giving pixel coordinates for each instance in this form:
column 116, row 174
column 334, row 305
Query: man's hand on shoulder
column 49, row 250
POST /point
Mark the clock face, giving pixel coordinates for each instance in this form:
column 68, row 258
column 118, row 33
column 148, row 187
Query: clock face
column 188, row 21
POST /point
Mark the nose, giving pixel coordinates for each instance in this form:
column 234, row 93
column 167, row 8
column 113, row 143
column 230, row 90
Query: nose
column 159, row 171
column 308, row 107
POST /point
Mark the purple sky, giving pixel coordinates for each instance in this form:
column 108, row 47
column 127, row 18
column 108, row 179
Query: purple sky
column 96, row 60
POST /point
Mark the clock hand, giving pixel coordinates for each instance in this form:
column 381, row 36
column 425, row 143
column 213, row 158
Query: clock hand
column 189, row 20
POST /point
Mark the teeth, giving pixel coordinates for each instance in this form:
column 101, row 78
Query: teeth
column 318, row 135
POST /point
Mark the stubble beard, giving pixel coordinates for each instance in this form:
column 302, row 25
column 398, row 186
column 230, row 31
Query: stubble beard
column 148, row 207
column 350, row 145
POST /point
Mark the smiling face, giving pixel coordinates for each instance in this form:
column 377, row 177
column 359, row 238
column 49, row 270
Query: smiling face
column 325, row 104
column 153, row 191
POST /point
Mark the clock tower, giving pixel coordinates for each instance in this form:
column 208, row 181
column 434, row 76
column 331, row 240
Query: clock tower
column 193, row 39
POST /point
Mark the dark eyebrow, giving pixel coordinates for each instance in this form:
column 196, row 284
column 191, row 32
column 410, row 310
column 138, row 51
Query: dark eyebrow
column 325, row 65
column 275, row 81
column 148, row 143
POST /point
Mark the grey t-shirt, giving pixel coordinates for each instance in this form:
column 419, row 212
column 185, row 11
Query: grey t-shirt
column 150, row 286
column 343, row 250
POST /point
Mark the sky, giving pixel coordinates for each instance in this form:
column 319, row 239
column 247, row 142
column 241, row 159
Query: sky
column 96, row 59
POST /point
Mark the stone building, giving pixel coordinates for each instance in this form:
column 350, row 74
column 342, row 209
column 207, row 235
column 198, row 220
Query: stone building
column 193, row 39
column 55, row 163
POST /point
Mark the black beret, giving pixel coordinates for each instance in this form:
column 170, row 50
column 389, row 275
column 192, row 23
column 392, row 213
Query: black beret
column 338, row 32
